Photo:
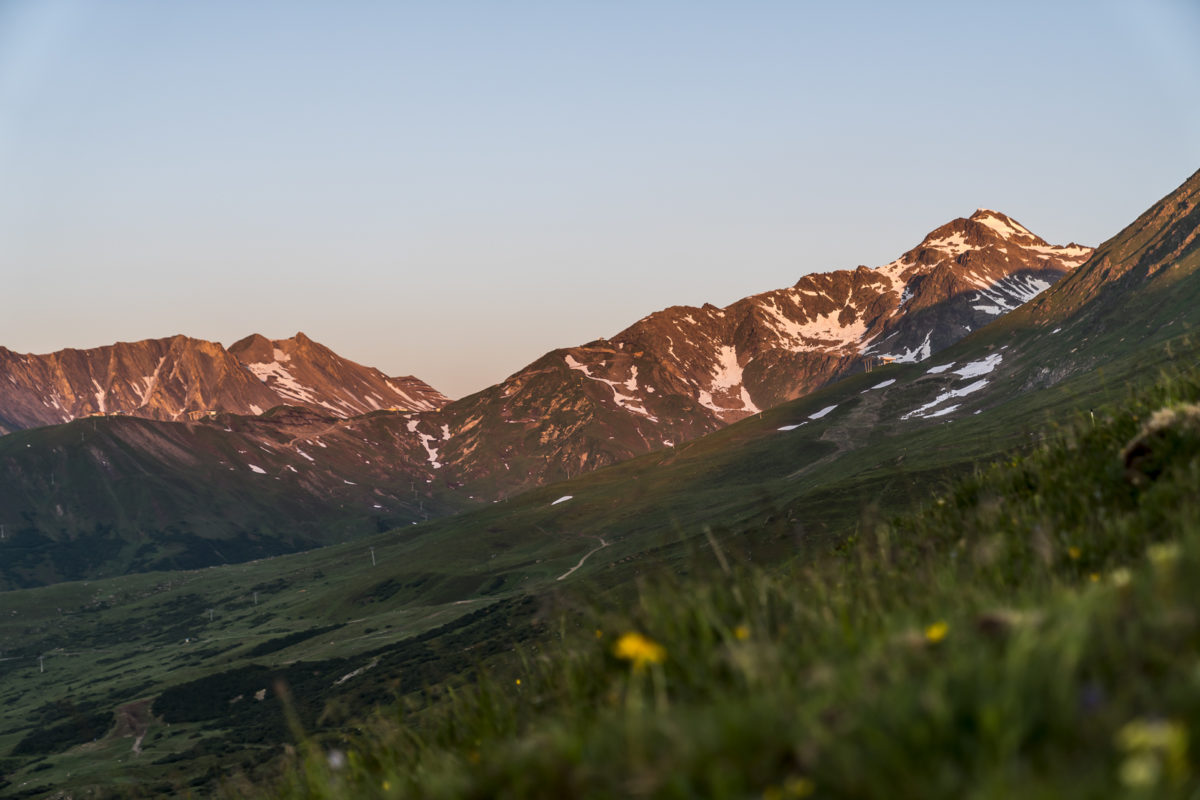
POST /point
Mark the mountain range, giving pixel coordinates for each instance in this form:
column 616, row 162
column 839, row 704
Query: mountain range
column 684, row 371
column 218, row 454
column 387, row 615
column 180, row 378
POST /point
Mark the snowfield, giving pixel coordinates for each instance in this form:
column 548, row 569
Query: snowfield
column 924, row 410
column 982, row 367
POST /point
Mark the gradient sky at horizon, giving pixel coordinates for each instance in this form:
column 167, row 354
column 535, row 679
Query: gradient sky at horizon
column 450, row 189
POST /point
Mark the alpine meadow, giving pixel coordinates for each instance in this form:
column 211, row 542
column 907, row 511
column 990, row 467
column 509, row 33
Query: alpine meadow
column 924, row 527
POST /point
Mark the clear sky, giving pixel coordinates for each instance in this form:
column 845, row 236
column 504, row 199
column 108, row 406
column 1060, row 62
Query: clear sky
column 450, row 189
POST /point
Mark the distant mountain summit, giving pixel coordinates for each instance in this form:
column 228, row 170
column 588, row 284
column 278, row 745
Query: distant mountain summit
column 772, row 347
column 305, row 373
column 685, row 371
column 180, row 378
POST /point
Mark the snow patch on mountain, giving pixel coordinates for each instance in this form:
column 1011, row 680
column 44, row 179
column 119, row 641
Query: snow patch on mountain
column 621, row 398
column 912, row 355
column 954, row 245
column 1000, row 224
column 893, row 273
column 726, row 375
column 981, row 367
column 823, row 328
column 1071, row 252
column 411, row 402
column 276, row 376
column 1005, row 295
column 100, row 396
column 430, row 451
column 924, row 410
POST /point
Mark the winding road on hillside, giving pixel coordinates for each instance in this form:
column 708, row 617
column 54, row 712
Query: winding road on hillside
column 603, row 544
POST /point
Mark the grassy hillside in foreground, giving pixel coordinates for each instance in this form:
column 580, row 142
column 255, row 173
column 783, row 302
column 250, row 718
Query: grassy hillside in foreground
column 1034, row 632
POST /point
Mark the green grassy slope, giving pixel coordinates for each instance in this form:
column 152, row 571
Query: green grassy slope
column 102, row 497
column 1032, row 631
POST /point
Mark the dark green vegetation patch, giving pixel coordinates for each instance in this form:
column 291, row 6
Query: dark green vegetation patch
column 56, row 738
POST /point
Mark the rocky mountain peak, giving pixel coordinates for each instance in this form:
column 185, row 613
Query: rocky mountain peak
column 687, row 370
column 253, row 348
column 1005, row 226
column 307, row 373
column 179, row 377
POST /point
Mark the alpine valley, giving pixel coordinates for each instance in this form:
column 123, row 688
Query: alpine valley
column 178, row 453
column 209, row 552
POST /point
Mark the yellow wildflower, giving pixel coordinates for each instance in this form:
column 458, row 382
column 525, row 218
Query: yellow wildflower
column 639, row 650
column 799, row 787
column 518, row 681
column 1153, row 735
column 1163, row 554
column 386, row 786
column 936, row 632
column 1140, row 770
column 741, row 633
column 1074, row 553
column 1150, row 745
column 792, row 787
column 1094, row 577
